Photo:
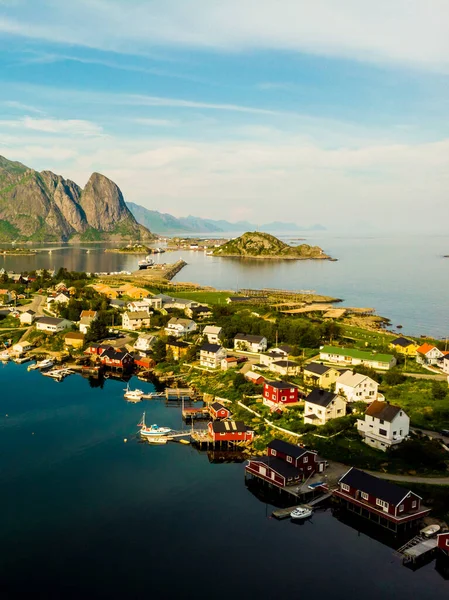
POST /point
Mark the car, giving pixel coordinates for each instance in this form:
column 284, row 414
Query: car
column 445, row 432
column 241, row 359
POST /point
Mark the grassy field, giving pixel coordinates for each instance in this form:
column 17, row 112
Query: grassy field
column 203, row 297
column 362, row 338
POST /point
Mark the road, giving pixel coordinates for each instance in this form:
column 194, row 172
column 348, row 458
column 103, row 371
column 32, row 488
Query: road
column 435, row 376
column 412, row 478
column 35, row 304
column 433, row 434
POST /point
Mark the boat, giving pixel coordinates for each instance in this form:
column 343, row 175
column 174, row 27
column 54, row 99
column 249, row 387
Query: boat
column 157, row 440
column 43, row 364
column 152, row 430
column 430, row 530
column 313, row 486
column 4, row 356
column 133, row 395
column 146, row 262
column 301, row 512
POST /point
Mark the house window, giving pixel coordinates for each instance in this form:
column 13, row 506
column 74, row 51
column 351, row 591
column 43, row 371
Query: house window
column 364, row 495
column 382, row 421
column 382, row 503
column 306, row 459
column 414, row 504
column 273, row 453
column 283, row 398
column 309, row 468
column 401, row 508
column 345, row 487
column 289, row 459
column 339, row 411
column 382, row 432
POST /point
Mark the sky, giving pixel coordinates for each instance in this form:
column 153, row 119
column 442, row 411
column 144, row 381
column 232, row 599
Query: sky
column 304, row 111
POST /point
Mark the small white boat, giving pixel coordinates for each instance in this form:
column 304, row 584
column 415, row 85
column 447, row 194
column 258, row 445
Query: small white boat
column 157, row 440
column 146, row 262
column 430, row 530
column 133, row 395
column 43, row 364
column 4, row 356
column 153, row 431
column 301, row 512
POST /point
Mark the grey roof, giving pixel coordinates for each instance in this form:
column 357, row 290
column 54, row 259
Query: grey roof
column 217, row 406
column 281, row 385
column 316, row 368
column 286, row 363
column 138, row 314
column 280, row 466
column 401, row 341
column 320, row 397
column 229, row 426
column 213, row 348
column 254, row 339
column 287, row 448
column 50, row 321
column 380, row 488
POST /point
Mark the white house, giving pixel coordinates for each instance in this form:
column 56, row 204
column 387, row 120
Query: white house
column 211, row 355
column 445, row 364
column 354, row 356
column 428, row 354
column 135, row 320
column 179, row 327
column 212, row 333
column 250, row 343
column 138, row 306
column 285, row 367
column 356, row 387
column 384, row 425
column 267, row 358
column 144, row 342
column 86, row 318
column 52, row 324
column 21, row 347
column 153, row 302
column 61, row 298
column 321, row 406
column 27, row 317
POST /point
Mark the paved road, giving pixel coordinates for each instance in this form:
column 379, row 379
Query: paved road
column 412, row 478
column 35, row 304
column 433, row 434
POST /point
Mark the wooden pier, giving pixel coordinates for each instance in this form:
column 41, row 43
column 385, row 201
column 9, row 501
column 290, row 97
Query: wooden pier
column 195, row 414
column 179, row 393
column 284, row 513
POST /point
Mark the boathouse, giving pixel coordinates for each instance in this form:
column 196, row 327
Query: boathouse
column 277, row 393
column 385, row 503
column 274, row 470
column 218, row 411
column 117, row 359
column 299, row 457
column 443, row 543
column 230, row 431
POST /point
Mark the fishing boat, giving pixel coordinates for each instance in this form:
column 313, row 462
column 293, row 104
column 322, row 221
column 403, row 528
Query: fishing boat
column 157, row 440
column 300, row 513
column 4, row 356
column 152, row 430
column 146, row 262
column 43, row 364
column 133, row 395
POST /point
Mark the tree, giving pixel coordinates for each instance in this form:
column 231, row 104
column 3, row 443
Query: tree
column 439, row 390
column 394, row 377
column 159, row 350
column 96, row 331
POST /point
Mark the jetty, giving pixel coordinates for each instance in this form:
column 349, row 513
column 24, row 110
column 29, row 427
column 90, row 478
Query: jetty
column 418, row 548
column 283, row 513
column 195, row 414
column 179, row 393
column 58, row 374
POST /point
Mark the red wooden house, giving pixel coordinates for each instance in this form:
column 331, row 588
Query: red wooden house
column 117, row 359
column 230, row 431
column 274, row 470
column 443, row 542
column 385, row 503
column 304, row 460
column 277, row 393
column 218, row 411
column 97, row 349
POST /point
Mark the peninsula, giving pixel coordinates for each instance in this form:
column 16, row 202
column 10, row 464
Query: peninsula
column 256, row 244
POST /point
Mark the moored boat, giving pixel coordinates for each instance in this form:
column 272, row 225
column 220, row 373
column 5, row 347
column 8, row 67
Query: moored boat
column 301, row 512
column 133, row 395
column 146, row 262
column 430, row 530
column 152, row 430
column 4, row 356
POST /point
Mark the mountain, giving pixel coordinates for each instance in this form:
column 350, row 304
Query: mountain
column 165, row 223
column 254, row 244
column 46, row 207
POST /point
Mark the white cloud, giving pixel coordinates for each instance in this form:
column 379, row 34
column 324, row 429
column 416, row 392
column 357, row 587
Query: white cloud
column 76, row 127
column 23, row 107
column 155, row 122
column 383, row 31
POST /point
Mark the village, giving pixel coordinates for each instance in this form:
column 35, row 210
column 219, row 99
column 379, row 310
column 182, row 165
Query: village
column 319, row 406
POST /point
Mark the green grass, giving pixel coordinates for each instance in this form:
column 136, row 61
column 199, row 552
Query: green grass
column 415, row 397
column 203, row 297
column 364, row 339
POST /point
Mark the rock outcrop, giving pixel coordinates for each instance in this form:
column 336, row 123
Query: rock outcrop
column 46, row 207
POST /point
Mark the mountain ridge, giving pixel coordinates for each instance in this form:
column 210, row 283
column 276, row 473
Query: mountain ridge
column 165, row 223
column 44, row 206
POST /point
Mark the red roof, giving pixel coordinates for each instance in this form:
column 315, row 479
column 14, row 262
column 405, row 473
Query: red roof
column 425, row 348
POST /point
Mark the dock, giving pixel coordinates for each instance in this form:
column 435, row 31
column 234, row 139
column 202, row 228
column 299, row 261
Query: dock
column 179, row 393
column 417, row 548
column 58, row 374
column 195, row 414
column 284, row 513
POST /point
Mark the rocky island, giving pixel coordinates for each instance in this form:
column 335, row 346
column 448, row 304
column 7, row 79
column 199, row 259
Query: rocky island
column 263, row 245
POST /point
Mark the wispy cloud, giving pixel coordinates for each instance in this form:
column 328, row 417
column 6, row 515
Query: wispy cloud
column 154, row 122
column 23, row 107
column 384, row 31
column 76, row 127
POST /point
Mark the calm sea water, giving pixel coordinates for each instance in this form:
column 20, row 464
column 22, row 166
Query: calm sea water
column 85, row 515
column 405, row 279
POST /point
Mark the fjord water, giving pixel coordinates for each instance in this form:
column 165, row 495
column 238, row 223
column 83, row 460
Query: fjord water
column 85, row 515
column 405, row 278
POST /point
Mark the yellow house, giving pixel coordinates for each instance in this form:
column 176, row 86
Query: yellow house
column 178, row 349
column 318, row 375
column 403, row 346
column 134, row 292
column 74, row 339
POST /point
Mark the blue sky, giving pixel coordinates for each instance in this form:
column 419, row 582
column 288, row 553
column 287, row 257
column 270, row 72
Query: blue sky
column 301, row 110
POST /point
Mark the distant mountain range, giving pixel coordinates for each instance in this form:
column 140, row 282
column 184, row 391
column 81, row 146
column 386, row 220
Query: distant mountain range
column 44, row 207
column 164, row 223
